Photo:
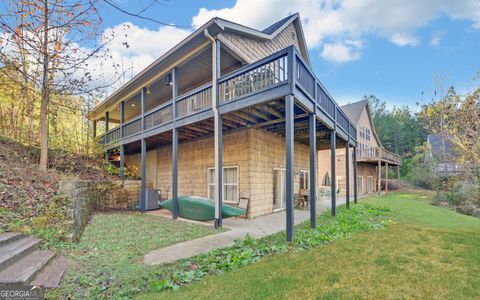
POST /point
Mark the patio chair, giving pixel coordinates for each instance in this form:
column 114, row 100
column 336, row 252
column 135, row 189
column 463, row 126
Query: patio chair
column 243, row 202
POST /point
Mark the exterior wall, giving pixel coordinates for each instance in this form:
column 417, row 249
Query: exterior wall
column 254, row 151
column 364, row 121
column 252, row 50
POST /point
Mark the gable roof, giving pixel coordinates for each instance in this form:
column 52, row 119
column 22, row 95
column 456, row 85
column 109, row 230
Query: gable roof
column 189, row 45
column 354, row 112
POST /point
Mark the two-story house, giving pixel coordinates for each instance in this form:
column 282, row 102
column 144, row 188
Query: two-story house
column 228, row 98
column 372, row 158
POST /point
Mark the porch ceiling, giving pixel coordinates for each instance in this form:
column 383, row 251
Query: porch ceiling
column 269, row 116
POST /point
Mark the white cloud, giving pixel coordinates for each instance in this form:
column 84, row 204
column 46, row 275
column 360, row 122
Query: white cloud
column 326, row 21
column 342, row 52
column 400, row 39
column 436, row 39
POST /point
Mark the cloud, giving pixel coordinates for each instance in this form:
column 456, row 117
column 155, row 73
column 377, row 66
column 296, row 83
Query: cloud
column 436, row 38
column 342, row 51
column 400, row 39
column 327, row 21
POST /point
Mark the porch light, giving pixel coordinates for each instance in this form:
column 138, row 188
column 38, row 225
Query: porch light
column 168, row 79
column 133, row 104
column 148, row 90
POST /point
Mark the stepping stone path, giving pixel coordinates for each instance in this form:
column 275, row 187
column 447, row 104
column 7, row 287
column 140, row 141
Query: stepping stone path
column 21, row 262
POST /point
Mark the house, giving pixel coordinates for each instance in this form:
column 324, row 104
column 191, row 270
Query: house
column 442, row 155
column 230, row 97
column 370, row 154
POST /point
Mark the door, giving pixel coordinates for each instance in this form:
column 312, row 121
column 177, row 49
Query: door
column 279, row 192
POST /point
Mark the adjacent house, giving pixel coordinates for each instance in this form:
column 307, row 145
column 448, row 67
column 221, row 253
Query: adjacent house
column 233, row 98
column 372, row 158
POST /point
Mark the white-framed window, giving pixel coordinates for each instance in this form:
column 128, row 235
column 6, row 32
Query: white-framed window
column 370, row 184
column 304, row 179
column 230, row 183
column 360, row 184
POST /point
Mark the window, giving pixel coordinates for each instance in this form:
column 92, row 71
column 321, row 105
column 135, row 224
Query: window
column 230, row 183
column 367, row 134
column 304, row 179
column 360, row 184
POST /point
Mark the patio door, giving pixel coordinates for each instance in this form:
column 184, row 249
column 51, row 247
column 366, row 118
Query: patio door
column 279, row 191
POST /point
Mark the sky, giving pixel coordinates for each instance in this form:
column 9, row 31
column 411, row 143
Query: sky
column 403, row 51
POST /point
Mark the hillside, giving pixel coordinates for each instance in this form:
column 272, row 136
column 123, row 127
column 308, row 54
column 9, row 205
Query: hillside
column 29, row 199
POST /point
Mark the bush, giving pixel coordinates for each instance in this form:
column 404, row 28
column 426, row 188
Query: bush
column 462, row 195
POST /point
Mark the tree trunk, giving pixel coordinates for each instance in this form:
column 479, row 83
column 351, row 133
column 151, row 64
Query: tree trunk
column 45, row 98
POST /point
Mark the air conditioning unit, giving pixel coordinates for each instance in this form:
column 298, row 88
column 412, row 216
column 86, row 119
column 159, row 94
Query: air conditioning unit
column 152, row 199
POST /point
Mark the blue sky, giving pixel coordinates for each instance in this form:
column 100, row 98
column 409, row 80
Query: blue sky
column 394, row 49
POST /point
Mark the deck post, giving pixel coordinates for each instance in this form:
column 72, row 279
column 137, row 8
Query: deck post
column 347, row 174
column 386, row 176
column 107, row 124
column 143, row 105
column 94, row 129
column 122, row 164
column 355, row 176
column 175, row 173
column 217, row 119
column 143, row 192
column 174, row 146
column 333, row 147
column 122, row 118
column 379, row 176
column 398, row 172
column 312, row 121
column 289, row 165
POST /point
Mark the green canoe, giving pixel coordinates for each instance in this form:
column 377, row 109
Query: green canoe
column 201, row 209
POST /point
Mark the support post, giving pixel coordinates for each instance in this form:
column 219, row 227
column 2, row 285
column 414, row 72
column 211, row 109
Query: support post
column 379, row 176
column 347, row 174
column 122, row 164
column 217, row 118
column 143, row 105
column 355, row 176
column 313, row 169
column 333, row 146
column 398, row 172
column 175, row 173
column 94, row 129
column 143, row 192
column 107, row 121
column 174, row 146
column 386, row 177
column 289, row 165
column 122, row 118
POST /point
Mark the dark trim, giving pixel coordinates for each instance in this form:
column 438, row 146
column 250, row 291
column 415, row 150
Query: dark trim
column 355, row 176
column 347, row 174
column 333, row 148
column 175, row 173
column 312, row 122
column 289, row 165
column 143, row 192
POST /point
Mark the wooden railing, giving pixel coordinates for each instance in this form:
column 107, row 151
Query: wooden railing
column 194, row 101
column 132, row 127
column 378, row 153
column 112, row 135
column 313, row 88
column 254, row 78
column 159, row 116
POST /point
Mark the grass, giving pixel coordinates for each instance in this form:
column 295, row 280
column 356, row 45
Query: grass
column 108, row 261
column 426, row 253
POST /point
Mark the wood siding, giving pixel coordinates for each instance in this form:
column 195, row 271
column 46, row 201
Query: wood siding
column 252, row 50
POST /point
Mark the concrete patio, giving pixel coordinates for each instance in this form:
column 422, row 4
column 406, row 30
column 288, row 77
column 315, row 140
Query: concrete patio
column 239, row 228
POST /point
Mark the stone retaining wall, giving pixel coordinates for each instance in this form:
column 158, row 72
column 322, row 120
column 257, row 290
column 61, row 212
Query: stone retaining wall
column 89, row 195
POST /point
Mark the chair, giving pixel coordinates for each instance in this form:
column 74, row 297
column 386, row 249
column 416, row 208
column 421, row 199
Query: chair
column 244, row 202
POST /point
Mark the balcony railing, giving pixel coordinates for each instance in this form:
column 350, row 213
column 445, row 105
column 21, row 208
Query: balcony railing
column 266, row 74
column 378, row 153
column 254, row 78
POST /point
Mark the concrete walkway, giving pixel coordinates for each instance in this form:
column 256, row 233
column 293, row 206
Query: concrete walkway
column 239, row 228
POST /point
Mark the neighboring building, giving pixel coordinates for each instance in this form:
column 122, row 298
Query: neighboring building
column 371, row 155
column 442, row 153
column 256, row 88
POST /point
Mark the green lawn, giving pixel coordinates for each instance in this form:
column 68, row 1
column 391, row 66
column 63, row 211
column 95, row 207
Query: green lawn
column 427, row 252
column 108, row 261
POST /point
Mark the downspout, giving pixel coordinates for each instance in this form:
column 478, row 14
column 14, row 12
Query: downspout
column 216, row 115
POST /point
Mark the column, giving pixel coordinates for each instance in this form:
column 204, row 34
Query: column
column 122, row 163
column 333, row 146
column 289, row 165
column 94, row 129
column 379, row 176
column 143, row 192
column 347, row 174
column 355, row 176
column 386, row 177
column 313, row 169
column 174, row 146
column 217, row 118
column 398, row 172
